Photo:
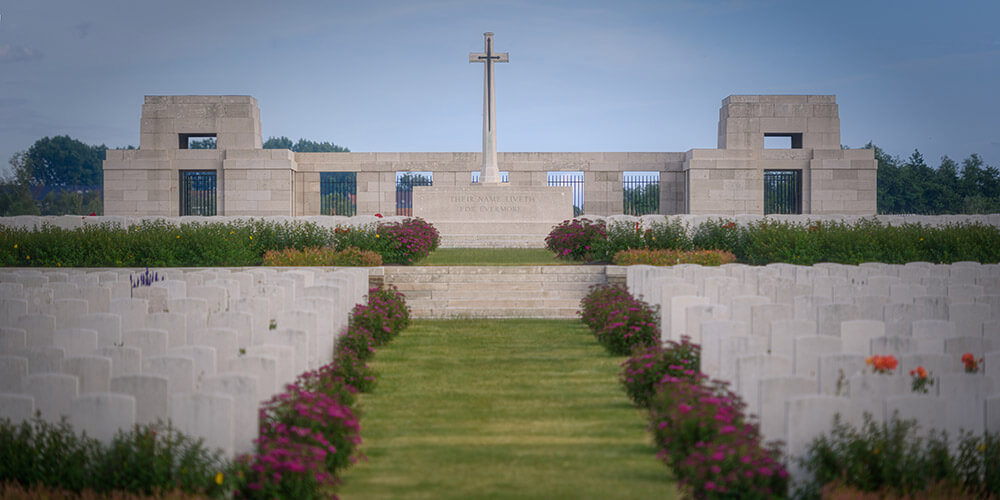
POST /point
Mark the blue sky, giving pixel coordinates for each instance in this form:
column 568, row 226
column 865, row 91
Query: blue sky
column 583, row 75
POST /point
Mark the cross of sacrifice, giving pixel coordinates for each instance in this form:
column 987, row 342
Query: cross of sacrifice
column 490, row 173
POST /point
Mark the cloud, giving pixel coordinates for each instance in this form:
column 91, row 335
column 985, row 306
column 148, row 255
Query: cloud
column 16, row 53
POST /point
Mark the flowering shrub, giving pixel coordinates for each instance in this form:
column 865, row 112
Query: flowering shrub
column 305, row 438
column 406, row 242
column 920, row 381
column 971, row 363
column 353, row 370
column 359, row 340
column 620, row 235
column 574, row 239
column 330, row 382
column 882, row 364
column 673, row 257
column 325, row 256
column 647, row 366
column 619, row 321
column 392, row 303
column 707, row 441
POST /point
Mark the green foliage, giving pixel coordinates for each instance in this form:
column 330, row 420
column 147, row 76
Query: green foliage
column 143, row 460
column 719, row 234
column 206, row 143
column 767, row 240
column 158, row 243
column 325, row 256
column 894, row 456
column 912, row 187
column 669, row 234
column 303, row 146
column 620, row 235
column 673, row 257
column 63, row 161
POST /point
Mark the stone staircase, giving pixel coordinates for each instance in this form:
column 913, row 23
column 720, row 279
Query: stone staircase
column 496, row 292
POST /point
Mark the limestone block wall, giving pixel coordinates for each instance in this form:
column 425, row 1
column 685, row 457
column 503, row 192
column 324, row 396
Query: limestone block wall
column 744, row 119
column 259, row 182
column 235, row 121
column 377, row 182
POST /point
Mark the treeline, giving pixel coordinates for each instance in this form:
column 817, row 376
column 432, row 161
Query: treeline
column 912, row 187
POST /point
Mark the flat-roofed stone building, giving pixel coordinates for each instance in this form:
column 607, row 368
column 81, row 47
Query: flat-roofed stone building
column 810, row 174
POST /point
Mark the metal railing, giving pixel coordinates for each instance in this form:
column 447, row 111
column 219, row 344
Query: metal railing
column 405, row 181
column 782, row 192
column 198, row 192
column 504, row 176
column 641, row 193
column 338, row 193
column 574, row 180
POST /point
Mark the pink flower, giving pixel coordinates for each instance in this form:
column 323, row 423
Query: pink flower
column 709, row 486
column 684, row 408
column 718, row 456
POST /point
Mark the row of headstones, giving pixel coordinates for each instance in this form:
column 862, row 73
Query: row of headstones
column 76, row 221
column 692, row 221
column 794, row 340
column 201, row 348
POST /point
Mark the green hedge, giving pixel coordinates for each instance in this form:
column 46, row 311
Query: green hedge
column 159, row 243
column 765, row 241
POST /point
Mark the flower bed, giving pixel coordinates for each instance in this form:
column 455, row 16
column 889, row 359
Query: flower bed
column 767, row 240
column 699, row 426
column 159, row 243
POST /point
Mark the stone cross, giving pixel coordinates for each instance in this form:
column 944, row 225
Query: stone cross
column 490, row 173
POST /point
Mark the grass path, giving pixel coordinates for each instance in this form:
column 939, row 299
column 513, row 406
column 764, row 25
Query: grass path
column 502, row 409
column 492, row 257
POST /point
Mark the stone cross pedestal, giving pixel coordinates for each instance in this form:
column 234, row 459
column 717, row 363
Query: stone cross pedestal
column 490, row 173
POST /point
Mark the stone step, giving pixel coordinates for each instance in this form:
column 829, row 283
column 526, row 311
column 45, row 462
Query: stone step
column 494, row 292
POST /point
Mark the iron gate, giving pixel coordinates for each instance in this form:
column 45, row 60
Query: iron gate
column 404, row 189
column 198, row 192
column 641, row 194
column 338, row 193
column 782, row 192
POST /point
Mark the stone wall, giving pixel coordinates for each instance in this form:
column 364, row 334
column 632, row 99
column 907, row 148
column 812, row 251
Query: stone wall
column 254, row 181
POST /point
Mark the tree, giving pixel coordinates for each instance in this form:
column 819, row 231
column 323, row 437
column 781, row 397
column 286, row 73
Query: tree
column 304, row 146
column 206, row 143
column 62, row 161
column 15, row 192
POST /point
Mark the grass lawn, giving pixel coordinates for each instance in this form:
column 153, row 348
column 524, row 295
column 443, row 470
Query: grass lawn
column 492, row 257
column 502, row 409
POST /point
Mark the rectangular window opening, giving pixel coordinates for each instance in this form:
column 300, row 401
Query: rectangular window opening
column 775, row 140
column 196, row 141
column 405, row 181
column 640, row 193
column 573, row 179
column 338, row 193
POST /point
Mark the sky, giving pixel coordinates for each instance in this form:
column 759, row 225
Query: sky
column 583, row 75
